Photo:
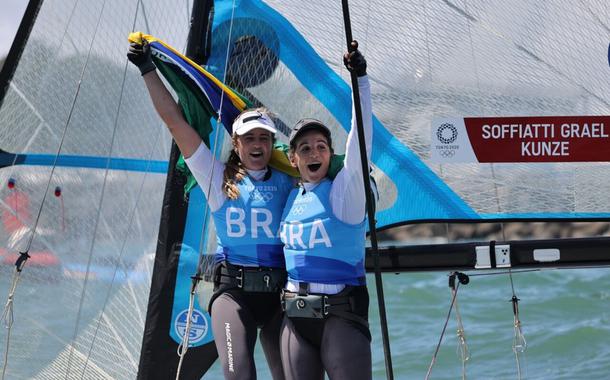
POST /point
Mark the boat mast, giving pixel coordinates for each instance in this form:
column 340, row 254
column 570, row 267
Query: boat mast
column 21, row 38
column 200, row 34
column 158, row 359
column 369, row 202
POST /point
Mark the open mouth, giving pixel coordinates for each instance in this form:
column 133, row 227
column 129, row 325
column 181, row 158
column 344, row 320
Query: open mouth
column 314, row 167
column 256, row 154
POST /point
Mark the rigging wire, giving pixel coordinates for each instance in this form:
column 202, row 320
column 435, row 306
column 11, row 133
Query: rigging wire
column 462, row 279
column 122, row 251
column 133, row 212
column 103, row 190
column 523, row 49
column 427, row 42
column 13, row 166
column 595, row 16
column 462, row 348
column 184, row 345
column 519, row 342
column 478, row 80
column 472, row 51
column 7, row 314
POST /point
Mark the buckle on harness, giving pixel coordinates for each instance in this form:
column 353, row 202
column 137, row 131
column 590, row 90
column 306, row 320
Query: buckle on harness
column 302, row 304
column 263, row 280
column 240, row 278
column 251, row 279
column 305, row 306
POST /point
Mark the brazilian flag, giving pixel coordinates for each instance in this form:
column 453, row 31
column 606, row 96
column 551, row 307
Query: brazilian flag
column 201, row 96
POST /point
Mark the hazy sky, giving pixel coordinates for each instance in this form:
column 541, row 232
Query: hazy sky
column 11, row 12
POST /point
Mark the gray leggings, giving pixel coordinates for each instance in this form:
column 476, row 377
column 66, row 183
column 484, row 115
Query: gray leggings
column 236, row 317
column 344, row 351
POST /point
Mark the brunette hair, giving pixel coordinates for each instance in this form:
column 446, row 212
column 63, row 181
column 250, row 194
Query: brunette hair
column 235, row 171
column 329, row 141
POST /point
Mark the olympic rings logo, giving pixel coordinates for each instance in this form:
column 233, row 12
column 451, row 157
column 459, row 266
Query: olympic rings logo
column 298, row 210
column 261, row 196
column 440, row 133
column 447, row 153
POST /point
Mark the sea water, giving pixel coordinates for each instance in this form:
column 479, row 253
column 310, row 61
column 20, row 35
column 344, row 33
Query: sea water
column 564, row 314
column 565, row 318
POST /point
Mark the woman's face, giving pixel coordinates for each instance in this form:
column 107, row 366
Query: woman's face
column 311, row 156
column 254, row 148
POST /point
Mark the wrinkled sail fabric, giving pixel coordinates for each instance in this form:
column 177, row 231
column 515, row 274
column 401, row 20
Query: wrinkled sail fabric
column 427, row 60
column 409, row 190
column 454, row 63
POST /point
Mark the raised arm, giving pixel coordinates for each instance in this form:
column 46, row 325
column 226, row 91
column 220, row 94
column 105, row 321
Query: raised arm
column 185, row 136
column 347, row 195
column 207, row 170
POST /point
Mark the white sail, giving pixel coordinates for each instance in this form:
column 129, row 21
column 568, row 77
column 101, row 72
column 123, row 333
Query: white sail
column 81, row 314
column 79, row 119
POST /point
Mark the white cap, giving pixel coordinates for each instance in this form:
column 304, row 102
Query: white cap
column 250, row 120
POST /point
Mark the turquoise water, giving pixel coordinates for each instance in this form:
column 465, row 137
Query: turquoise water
column 565, row 316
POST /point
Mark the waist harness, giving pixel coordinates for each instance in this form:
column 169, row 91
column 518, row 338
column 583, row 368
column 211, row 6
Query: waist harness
column 348, row 304
column 250, row 279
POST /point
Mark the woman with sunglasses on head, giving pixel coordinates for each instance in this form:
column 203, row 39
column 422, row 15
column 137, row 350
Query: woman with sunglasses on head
column 246, row 198
column 323, row 229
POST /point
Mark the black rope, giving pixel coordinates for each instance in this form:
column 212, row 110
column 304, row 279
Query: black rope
column 195, row 281
column 23, row 257
column 462, row 278
column 515, row 302
column 369, row 201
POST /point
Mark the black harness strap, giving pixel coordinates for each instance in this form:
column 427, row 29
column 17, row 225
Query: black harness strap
column 303, row 288
column 253, row 279
column 321, row 305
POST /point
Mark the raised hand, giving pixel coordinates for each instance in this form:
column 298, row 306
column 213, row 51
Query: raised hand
column 139, row 55
column 354, row 61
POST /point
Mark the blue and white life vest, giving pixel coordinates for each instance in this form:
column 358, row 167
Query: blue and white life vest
column 248, row 227
column 318, row 247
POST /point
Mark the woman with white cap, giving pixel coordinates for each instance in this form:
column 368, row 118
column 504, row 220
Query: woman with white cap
column 246, row 198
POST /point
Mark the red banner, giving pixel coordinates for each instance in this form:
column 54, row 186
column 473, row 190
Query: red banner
column 540, row 138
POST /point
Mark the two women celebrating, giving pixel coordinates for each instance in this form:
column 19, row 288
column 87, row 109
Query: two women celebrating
column 304, row 290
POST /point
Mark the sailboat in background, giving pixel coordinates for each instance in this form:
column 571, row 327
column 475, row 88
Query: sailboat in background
column 75, row 117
